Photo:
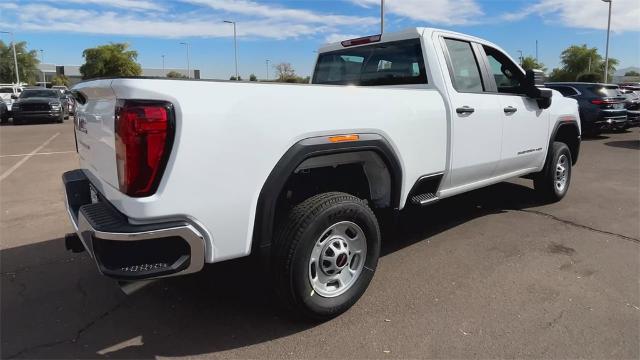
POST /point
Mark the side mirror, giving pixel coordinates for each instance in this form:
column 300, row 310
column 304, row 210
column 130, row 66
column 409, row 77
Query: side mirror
column 534, row 88
column 14, row 96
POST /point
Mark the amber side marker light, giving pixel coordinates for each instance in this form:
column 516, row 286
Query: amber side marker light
column 344, row 138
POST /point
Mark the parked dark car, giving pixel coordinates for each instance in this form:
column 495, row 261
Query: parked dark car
column 601, row 106
column 633, row 106
column 4, row 112
column 39, row 104
column 71, row 102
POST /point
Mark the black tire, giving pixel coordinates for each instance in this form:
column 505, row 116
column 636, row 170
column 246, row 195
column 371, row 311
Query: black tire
column 298, row 234
column 545, row 181
column 60, row 120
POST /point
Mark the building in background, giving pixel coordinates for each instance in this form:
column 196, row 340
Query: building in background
column 72, row 72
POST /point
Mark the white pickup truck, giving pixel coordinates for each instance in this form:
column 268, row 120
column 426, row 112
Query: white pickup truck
column 178, row 173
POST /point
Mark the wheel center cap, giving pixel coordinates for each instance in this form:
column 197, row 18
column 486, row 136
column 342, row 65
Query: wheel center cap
column 341, row 260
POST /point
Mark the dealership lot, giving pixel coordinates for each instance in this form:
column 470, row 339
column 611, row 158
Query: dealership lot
column 491, row 273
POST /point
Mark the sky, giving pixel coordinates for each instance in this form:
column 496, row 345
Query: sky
column 292, row 30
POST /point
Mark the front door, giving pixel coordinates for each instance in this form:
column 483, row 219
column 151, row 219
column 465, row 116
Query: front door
column 525, row 125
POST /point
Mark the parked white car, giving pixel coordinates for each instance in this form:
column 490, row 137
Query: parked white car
column 175, row 174
column 9, row 93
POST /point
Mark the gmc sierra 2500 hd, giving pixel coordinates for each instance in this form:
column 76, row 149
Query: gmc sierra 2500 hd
column 178, row 173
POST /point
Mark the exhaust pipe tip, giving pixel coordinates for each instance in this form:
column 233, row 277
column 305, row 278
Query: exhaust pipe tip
column 73, row 243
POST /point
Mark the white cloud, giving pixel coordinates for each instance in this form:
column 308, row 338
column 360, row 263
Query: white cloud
column 111, row 18
column 252, row 8
column 444, row 12
column 587, row 14
column 332, row 38
column 121, row 4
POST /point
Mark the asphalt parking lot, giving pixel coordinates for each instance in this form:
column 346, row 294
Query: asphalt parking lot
column 487, row 274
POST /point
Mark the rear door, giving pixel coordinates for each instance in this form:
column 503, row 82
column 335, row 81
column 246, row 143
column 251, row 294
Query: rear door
column 525, row 124
column 476, row 126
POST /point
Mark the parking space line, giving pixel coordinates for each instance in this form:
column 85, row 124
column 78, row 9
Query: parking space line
column 27, row 157
column 44, row 153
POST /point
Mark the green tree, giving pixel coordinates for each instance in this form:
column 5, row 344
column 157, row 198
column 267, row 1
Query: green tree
column 632, row 73
column 27, row 63
column 580, row 59
column 176, row 75
column 253, row 77
column 113, row 59
column 589, row 77
column 529, row 62
column 60, row 80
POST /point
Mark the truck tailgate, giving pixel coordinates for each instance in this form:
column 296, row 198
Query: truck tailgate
column 94, row 129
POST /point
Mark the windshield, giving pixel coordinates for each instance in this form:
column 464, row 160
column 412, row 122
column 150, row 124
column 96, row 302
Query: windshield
column 40, row 93
column 392, row 63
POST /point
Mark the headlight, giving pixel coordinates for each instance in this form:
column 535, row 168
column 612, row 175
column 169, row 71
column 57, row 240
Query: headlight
column 55, row 106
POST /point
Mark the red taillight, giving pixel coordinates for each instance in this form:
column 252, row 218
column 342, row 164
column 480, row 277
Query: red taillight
column 361, row 41
column 144, row 133
column 604, row 102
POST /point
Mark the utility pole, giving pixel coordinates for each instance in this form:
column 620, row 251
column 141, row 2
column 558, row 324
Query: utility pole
column 235, row 46
column 44, row 77
column 15, row 57
column 188, row 59
column 163, row 71
column 606, row 56
column 268, row 69
column 536, row 50
column 381, row 16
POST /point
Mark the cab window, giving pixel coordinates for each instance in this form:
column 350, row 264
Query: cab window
column 507, row 75
column 464, row 70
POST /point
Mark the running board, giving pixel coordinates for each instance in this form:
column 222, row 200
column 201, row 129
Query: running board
column 424, row 199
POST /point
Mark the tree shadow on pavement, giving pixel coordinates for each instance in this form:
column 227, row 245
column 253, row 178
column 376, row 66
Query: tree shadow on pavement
column 60, row 307
column 625, row 144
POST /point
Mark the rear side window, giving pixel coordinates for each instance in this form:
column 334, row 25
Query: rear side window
column 6, row 91
column 606, row 91
column 392, row 63
column 565, row 90
column 464, row 70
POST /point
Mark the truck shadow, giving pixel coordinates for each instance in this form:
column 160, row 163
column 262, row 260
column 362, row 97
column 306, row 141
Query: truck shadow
column 61, row 308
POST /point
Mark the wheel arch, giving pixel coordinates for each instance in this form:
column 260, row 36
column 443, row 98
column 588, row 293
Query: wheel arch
column 568, row 132
column 319, row 151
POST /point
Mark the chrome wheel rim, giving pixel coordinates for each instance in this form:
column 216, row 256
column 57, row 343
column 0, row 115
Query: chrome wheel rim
column 337, row 259
column 561, row 173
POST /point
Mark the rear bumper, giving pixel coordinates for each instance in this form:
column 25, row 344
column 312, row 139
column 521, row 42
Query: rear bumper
column 607, row 123
column 124, row 251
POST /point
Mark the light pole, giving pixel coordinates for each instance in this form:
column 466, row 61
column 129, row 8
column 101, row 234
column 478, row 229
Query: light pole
column 44, row 77
column 163, row 74
column 381, row 16
column 15, row 58
column 188, row 59
column 268, row 69
column 235, row 45
column 521, row 59
column 606, row 56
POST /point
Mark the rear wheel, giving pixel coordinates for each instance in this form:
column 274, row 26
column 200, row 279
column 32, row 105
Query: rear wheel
column 325, row 255
column 552, row 183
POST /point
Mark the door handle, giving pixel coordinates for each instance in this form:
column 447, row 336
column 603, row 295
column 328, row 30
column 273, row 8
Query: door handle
column 465, row 110
column 510, row 110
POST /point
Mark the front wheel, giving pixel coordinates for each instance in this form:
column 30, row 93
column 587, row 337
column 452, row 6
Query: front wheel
column 325, row 255
column 552, row 183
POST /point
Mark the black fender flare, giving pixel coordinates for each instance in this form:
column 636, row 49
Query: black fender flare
column 562, row 123
column 264, row 221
